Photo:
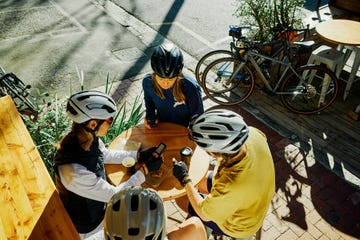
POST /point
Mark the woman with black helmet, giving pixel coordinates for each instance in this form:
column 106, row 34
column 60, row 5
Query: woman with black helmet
column 170, row 96
column 240, row 188
column 80, row 158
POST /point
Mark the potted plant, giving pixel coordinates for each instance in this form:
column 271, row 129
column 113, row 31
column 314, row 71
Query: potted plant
column 265, row 15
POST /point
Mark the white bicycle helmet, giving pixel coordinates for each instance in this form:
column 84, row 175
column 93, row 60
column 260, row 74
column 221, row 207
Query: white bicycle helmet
column 219, row 131
column 87, row 105
column 135, row 213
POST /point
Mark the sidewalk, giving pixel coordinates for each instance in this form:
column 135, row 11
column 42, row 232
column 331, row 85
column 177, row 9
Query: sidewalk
column 311, row 202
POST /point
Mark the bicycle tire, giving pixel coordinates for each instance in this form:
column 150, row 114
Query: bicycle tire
column 306, row 86
column 207, row 59
column 18, row 90
column 222, row 86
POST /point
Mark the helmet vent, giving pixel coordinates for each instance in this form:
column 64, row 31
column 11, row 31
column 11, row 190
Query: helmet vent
column 203, row 145
column 217, row 137
column 209, row 128
column 133, row 231
column 116, row 206
column 151, row 237
column 108, row 109
column 99, row 106
column 197, row 135
column 228, row 126
column 134, row 202
column 237, row 146
column 81, row 98
column 71, row 110
column 153, row 204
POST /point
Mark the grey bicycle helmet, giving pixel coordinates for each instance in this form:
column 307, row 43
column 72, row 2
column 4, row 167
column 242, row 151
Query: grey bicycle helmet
column 220, row 131
column 135, row 213
column 167, row 61
column 87, row 105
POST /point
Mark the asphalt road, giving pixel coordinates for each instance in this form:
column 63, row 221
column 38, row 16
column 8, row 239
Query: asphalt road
column 195, row 26
column 48, row 43
column 51, row 44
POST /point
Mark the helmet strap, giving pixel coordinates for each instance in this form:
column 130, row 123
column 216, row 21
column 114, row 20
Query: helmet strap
column 94, row 131
column 89, row 130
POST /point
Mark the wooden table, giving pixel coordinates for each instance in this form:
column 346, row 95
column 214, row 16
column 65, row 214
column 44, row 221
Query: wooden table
column 175, row 137
column 345, row 33
column 340, row 31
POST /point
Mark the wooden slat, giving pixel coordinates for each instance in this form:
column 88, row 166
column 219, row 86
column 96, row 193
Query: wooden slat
column 54, row 223
column 30, row 204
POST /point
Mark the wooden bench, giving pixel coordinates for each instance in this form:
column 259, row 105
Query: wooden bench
column 30, row 205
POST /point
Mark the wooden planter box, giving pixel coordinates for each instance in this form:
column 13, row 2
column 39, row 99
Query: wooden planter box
column 30, row 205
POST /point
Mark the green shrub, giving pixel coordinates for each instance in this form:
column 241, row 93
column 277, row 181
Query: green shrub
column 264, row 15
column 52, row 123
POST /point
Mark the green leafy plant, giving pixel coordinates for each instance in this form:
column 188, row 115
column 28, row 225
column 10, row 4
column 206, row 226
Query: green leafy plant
column 265, row 15
column 122, row 122
column 122, row 119
column 52, row 123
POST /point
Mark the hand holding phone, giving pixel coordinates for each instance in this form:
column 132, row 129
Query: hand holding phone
column 152, row 157
column 160, row 149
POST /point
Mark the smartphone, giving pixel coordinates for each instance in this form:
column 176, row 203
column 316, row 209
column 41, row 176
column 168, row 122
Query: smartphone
column 160, row 148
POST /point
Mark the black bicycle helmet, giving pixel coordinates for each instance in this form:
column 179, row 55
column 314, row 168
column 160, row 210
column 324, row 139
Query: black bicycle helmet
column 87, row 105
column 167, row 61
column 219, row 131
column 135, row 213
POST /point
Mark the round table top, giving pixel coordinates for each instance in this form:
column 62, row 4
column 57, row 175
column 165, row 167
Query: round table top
column 340, row 31
column 175, row 137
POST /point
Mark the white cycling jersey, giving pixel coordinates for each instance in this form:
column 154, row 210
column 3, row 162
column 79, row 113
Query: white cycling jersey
column 77, row 179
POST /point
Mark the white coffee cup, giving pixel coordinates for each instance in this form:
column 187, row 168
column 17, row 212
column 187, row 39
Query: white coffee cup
column 128, row 162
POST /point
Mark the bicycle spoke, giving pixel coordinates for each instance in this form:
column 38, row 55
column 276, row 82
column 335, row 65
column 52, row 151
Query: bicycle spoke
column 18, row 91
column 207, row 59
column 311, row 89
column 224, row 86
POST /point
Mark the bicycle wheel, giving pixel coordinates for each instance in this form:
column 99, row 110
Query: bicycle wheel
column 310, row 90
column 226, row 86
column 207, row 59
column 18, row 91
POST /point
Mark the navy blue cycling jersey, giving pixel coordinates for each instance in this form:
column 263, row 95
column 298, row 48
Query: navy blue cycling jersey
column 168, row 110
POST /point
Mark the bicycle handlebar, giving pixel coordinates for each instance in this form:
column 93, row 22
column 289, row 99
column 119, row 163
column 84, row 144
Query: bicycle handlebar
column 236, row 31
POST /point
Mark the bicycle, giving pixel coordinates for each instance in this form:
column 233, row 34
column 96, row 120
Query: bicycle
column 307, row 89
column 236, row 33
column 11, row 85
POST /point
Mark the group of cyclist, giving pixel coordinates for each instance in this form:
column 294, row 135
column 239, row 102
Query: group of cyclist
column 232, row 200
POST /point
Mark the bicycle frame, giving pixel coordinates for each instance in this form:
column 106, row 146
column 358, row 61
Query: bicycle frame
column 249, row 56
column 304, row 89
column 11, row 85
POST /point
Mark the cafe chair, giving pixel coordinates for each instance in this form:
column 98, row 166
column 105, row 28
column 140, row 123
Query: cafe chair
column 348, row 50
column 332, row 58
